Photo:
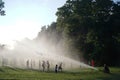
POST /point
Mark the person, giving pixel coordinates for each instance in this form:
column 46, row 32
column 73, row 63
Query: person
column 106, row 69
column 92, row 63
column 48, row 65
column 60, row 67
column 27, row 63
column 56, row 68
column 43, row 65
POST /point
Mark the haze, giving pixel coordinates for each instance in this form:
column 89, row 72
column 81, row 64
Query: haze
column 24, row 18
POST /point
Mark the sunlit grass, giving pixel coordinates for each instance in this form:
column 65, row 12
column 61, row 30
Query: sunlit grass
column 74, row 74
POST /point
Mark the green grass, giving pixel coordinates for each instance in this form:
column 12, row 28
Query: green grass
column 78, row 74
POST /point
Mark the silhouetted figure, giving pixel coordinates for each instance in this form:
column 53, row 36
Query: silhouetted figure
column 27, row 63
column 43, row 65
column 56, row 68
column 48, row 65
column 106, row 69
column 60, row 67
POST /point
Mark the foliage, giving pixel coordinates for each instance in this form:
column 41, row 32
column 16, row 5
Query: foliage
column 90, row 28
column 2, row 12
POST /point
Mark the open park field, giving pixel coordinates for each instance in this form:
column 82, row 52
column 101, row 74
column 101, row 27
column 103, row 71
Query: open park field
column 7, row 73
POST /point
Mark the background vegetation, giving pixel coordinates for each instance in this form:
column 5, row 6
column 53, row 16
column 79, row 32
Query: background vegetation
column 87, row 28
column 90, row 28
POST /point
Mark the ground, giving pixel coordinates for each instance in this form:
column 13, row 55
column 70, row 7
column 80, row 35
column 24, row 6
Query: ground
column 7, row 73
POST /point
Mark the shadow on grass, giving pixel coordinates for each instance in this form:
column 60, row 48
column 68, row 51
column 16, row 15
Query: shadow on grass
column 1, row 70
column 112, row 76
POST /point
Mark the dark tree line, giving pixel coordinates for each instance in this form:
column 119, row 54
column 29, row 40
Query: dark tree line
column 90, row 28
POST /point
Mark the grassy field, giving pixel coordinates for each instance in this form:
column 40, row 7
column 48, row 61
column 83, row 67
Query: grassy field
column 78, row 74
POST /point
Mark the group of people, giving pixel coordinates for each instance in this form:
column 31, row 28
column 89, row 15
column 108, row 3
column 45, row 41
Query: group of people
column 45, row 65
column 58, row 68
column 30, row 64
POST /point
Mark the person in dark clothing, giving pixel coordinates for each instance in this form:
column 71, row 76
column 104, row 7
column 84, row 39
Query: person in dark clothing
column 56, row 68
column 43, row 65
column 106, row 69
column 48, row 66
column 27, row 63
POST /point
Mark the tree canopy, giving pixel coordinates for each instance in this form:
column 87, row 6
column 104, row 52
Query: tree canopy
column 90, row 28
column 2, row 12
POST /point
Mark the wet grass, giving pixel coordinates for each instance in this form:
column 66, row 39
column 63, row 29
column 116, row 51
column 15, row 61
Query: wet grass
column 7, row 73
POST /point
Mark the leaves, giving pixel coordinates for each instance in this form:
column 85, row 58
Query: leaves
column 2, row 12
column 89, row 28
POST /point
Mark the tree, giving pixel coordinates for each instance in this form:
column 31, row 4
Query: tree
column 91, row 27
column 2, row 12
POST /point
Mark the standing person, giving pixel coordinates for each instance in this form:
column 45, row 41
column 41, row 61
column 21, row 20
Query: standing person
column 56, row 68
column 92, row 63
column 60, row 67
column 43, row 65
column 27, row 63
column 48, row 65
column 106, row 69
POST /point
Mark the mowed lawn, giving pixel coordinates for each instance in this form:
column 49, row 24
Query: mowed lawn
column 77, row 74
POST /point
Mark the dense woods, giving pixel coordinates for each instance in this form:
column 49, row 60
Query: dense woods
column 89, row 28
